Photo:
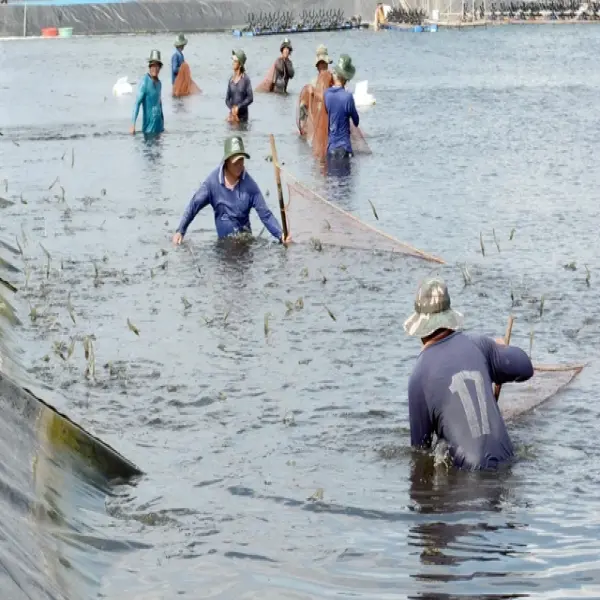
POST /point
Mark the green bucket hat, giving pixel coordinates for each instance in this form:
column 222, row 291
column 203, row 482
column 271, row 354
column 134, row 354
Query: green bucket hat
column 155, row 57
column 345, row 68
column 322, row 55
column 286, row 44
column 240, row 55
column 234, row 146
column 432, row 310
column 180, row 40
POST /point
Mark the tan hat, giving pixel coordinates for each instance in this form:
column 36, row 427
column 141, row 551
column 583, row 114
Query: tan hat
column 322, row 55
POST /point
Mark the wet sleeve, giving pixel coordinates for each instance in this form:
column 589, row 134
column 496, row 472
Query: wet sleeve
column 353, row 113
column 290, row 69
column 506, row 363
column 228, row 96
column 249, row 96
column 138, row 100
column 199, row 200
column 265, row 215
column 175, row 64
column 421, row 425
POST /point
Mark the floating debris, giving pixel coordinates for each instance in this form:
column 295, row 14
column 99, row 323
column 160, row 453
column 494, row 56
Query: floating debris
column 132, row 327
column 373, row 209
column 541, row 306
column 570, row 266
column 318, row 495
column 531, row 342
column 495, row 239
column 327, row 225
column 481, row 243
column 72, row 157
column 23, row 201
column 70, row 309
column 304, row 272
column 49, row 258
column 466, row 275
column 186, row 303
column 300, row 303
column 316, row 244
column 266, row 325
column 330, row 313
column 512, row 233
column 53, row 183
column 90, row 355
column 588, row 275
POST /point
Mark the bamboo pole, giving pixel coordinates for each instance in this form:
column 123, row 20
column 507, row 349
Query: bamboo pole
column 509, row 326
column 284, row 223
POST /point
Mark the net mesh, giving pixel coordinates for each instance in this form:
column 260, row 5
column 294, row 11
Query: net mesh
column 268, row 82
column 547, row 381
column 184, row 84
column 313, row 122
column 313, row 219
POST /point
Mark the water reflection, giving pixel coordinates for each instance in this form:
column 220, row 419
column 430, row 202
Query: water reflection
column 454, row 541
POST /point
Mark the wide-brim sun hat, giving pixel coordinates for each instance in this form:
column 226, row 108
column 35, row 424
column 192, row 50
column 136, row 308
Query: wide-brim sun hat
column 286, row 44
column 239, row 55
column 433, row 310
column 344, row 68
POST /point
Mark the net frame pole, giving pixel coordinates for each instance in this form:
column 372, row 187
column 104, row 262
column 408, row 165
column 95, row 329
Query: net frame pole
column 509, row 327
column 277, row 168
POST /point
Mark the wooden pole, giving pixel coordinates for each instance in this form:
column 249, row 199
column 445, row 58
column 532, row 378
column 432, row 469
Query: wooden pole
column 511, row 320
column 25, row 20
column 284, row 223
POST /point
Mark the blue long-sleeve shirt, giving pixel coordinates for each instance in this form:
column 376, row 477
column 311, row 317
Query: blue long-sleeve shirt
column 240, row 94
column 231, row 207
column 176, row 61
column 149, row 98
column 340, row 109
column 450, row 393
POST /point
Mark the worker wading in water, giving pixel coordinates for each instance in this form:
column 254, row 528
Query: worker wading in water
column 149, row 99
column 239, row 89
column 280, row 72
column 232, row 193
column 340, row 107
column 181, row 75
column 311, row 95
column 450, row 391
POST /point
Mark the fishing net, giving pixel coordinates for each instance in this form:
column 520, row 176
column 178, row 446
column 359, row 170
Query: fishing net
column 184, row 84
column 268, row 82
column 313, row 122
column 314, row 220
column 547, row 381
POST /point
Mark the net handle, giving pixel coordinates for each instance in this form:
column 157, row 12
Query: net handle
column 420, row 253
column 284, row 222
column 509, row 326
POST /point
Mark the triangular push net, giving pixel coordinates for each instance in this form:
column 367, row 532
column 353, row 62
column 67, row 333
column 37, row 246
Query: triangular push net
column 314, row 220
column 547, row 381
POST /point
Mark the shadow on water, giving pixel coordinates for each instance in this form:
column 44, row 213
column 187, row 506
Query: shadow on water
column 451, row 535
column 54, row 481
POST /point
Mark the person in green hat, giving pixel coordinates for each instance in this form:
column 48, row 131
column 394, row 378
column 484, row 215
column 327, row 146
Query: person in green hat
column 149, row 98
column 340, row 110
column 450, row 391
column 239, row 90
column 283, row 69
column 232, row 193
column 177, row 59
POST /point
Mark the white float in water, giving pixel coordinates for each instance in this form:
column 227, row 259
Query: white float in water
column 361, row 94
column 122, row 87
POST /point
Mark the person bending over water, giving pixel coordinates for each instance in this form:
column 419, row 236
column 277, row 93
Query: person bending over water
column 340, row 109
column 232, row 193
column 450, row 391
column 149, row 98
column 239, row 90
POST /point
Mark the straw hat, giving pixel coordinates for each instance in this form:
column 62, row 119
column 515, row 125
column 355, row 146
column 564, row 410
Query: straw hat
column 322, row 55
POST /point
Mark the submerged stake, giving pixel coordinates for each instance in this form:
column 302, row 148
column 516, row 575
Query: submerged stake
column 481, row 243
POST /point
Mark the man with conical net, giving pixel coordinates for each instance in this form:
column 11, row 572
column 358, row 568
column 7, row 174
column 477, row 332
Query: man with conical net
column 450, row 391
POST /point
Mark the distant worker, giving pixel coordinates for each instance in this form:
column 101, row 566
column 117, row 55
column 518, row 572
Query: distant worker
column 232, row 193
column 181, row 75
column 340, row 109
column 239, row 89
column 381, row 13
column 149, row 98
column 280, row 72
column 178, row 59
column 450, row 391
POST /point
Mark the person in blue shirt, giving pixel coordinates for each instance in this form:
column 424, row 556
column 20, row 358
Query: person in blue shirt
column 149, row 98
column 340, row 110
column 239, row 95
column 450, row 391
column 232, row 193
column 177, row 59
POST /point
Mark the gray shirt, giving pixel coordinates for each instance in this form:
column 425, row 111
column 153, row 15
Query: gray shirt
column 240, row 94
column 450, row 393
